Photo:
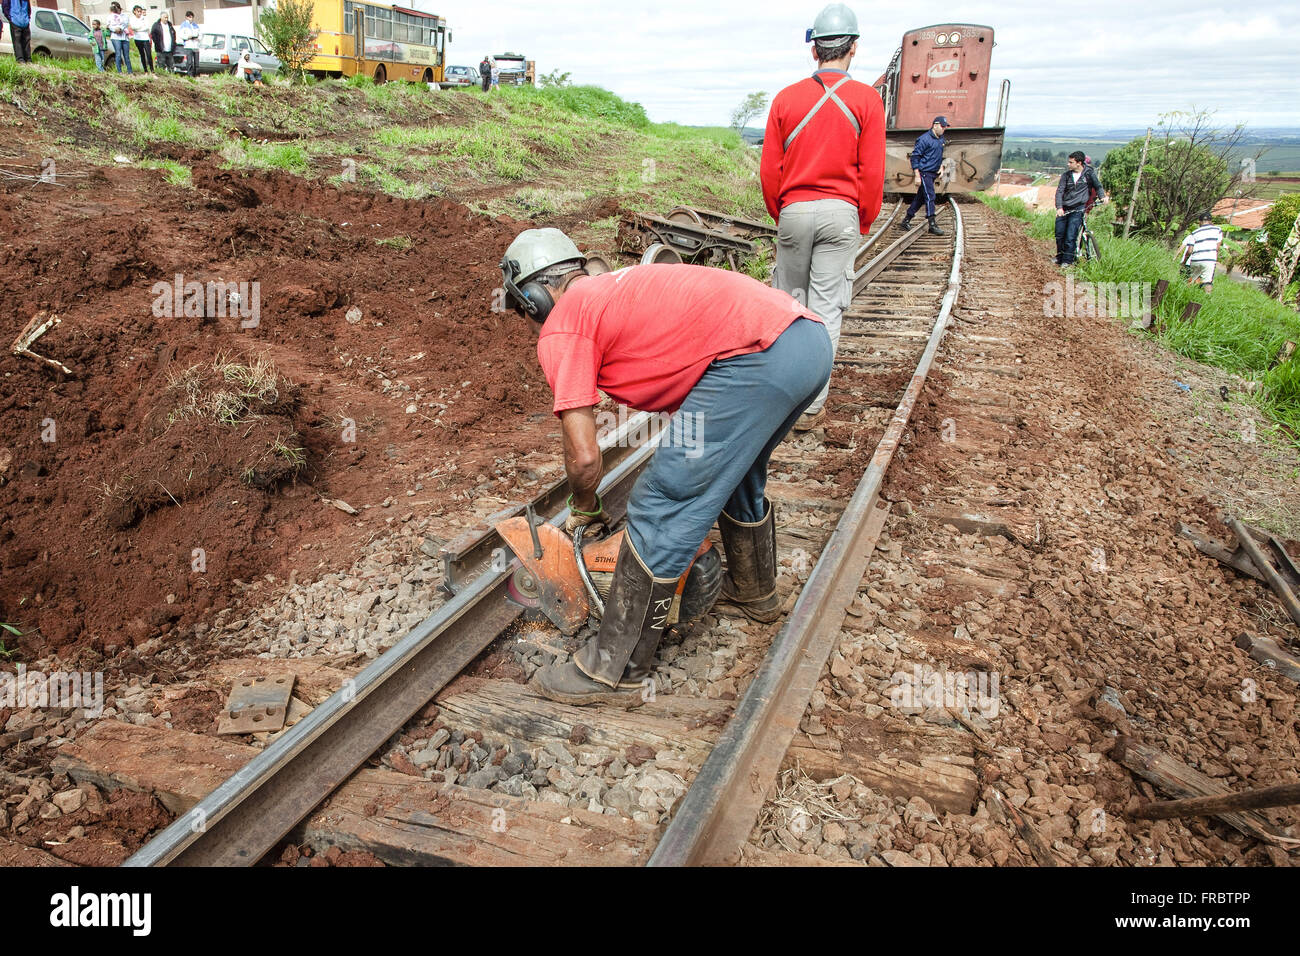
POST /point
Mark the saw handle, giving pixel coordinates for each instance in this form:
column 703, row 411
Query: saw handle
column 592, row 593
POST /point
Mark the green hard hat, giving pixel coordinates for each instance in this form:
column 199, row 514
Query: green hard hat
column 536, row 250
column 836, row 20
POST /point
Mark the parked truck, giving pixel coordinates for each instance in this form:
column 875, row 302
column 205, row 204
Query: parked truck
column 516, row 69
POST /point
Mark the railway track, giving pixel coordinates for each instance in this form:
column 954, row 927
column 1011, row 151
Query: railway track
column 596, row 785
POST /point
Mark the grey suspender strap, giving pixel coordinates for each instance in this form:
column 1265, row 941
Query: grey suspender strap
column 828, row 95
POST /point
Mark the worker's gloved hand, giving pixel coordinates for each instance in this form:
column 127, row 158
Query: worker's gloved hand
column 592, row 521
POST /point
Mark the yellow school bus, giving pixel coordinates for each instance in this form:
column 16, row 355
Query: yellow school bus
column 379, row 40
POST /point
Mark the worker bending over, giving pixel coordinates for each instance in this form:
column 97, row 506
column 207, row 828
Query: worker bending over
column 741, row 359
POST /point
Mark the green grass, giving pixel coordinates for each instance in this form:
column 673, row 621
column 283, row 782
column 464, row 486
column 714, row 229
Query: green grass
column 177, row 174
column 290, row 157
column 1238, row 329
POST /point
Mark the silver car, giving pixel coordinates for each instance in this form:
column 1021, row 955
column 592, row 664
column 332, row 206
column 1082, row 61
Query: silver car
column 219, row 52
column 55, row 34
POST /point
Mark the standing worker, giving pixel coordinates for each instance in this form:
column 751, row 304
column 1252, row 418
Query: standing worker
column 823, row 175
column 19, row 15
column 927, row 160
column 729, row 358
column 485, row 74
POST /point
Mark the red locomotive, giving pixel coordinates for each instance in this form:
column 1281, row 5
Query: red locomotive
column 943, row 70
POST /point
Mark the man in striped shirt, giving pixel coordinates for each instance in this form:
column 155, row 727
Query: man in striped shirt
column 1201, row 251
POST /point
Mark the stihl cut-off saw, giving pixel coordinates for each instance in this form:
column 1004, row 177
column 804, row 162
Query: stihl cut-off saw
column 568, row 579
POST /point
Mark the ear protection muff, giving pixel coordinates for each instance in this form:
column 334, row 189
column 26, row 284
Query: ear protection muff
column 532, row 299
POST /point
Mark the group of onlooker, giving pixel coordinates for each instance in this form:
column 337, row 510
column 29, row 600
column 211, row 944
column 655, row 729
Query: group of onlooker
column 168, row 41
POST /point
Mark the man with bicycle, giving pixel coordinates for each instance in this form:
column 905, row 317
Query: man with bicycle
column 1075, row 193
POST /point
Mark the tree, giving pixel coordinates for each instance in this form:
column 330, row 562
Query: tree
column 1187, row 171
column 287, row 30
column 555, row 78
column 1261, row 255
column 750, row 107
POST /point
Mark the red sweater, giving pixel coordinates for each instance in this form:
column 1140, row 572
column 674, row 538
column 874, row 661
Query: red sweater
column 827, row 160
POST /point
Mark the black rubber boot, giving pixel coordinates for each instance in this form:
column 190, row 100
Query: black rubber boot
column 636, row 613
column 905, row 225
column 750, row 583
column 935, row 230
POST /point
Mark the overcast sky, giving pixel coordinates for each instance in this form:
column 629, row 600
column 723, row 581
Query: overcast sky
column 1104, row 63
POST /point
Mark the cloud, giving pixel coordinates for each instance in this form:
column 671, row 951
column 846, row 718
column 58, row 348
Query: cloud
column 1108, row 62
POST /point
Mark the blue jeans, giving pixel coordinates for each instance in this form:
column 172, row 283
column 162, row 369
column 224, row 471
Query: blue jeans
column 924, row 195
column 1067, row 235
column 122, row 51
column 718, row 444
column 99, row 59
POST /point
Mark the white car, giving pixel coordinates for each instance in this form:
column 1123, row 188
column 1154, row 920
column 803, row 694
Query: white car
column 58, row 35
column 219, row 52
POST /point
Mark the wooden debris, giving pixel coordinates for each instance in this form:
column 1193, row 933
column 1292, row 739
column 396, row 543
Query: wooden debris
column 669, row 722
column 341, row 505
column 179, row 768
column 1271, row 654
column 405, row 821
column 1284, row 795
column 939, row 768
column 1246, row 541
column 1175, row 777
column 32, row 331
column 1026, row 830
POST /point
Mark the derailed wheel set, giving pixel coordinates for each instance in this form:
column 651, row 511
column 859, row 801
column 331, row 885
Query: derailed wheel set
column 306, row 784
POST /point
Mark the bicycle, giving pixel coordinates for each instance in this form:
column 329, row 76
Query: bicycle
column 1086, row 247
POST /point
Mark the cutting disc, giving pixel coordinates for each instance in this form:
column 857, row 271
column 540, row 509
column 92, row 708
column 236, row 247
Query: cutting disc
column 523, row 590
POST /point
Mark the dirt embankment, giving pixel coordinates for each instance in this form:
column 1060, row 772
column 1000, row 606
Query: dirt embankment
column 239, row 352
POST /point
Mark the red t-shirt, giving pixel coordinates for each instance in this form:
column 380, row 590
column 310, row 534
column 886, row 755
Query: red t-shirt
column 827, row 160
column 644, row 335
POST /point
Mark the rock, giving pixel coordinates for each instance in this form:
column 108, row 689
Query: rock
column 49, row 811
column 620, row 798
column 517, row 786
column 426, row 757
column 899, row 858
column 402, row 764
column 1103, row 855
column 637, row 754
column 834, row 833
column 562, row 779
column 483, row 779
column 515, row 763
column 661, row 781
column 70, row 801
column 561, row 754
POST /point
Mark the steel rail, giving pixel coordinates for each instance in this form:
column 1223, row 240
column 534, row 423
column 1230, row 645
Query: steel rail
column 875, row 237
column 886, row 257
column 718, row 812
column 249, row 813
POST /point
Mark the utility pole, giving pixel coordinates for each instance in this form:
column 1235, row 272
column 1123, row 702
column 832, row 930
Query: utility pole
column 1137, row 181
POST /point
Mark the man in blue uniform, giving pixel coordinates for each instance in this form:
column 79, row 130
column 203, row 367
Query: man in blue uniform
column 927, row 160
